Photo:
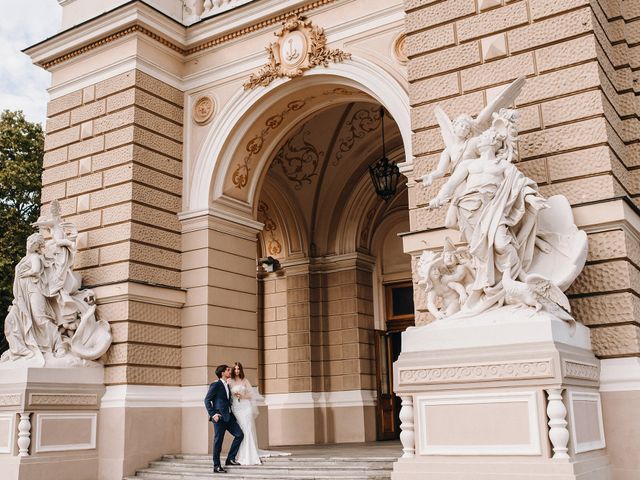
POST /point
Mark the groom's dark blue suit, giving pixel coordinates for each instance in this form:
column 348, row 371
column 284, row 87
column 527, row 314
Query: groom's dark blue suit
column 218, row 402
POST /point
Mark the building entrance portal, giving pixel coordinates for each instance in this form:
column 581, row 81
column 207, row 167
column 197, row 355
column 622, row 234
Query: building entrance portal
column 328, row 249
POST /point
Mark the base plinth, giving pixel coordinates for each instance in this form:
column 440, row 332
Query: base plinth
column 49, row 422
column 511, row 394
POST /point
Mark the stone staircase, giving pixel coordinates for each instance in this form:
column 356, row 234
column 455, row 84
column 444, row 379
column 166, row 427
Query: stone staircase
column 199, row 467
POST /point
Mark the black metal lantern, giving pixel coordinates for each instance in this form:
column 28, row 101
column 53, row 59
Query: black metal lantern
column 384, row 173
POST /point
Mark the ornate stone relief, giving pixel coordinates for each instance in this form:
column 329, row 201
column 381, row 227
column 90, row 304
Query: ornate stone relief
column 299, row 158
column 400, row 48
column 203, row 110
column 477, row 373
column 10, row 399
column 300, row 46
column 581, row 370
column 274, row 247
column 60, row 399
column 359, row 125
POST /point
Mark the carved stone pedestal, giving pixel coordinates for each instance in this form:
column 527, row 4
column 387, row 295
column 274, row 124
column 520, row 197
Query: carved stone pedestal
column 507, row 395
column 49, row 422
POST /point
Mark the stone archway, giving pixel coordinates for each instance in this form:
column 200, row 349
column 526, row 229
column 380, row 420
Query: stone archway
column 220, row 230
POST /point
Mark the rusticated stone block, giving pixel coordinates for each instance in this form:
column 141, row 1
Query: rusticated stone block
column 142, row 333
column 606, row 309
column 158, row 143
column 442, row 12
column 86, row 147
column 58, row 122
column 158, row 106
column 54, row 157
column 429, row 40
column 550, row 31
column 492, row 21
column 583, row 190
column 63, row 137
column 499, row 71
column 158, row 124
column 449, row 59
column 65, row 102
column 607, row 277
column 555, row 84
column 115, row 84
column 159, row 88
column 59, row 173
column 579, row 163
column 88, row 112
column 159, row 276
column 117, row 272
column 571, row 108
column 114, row 120
column 546, row 8
column 138, row 375
column 566, row 53
column 434, row 88
column 615, row 341
column 567, row 137
column 424, row 116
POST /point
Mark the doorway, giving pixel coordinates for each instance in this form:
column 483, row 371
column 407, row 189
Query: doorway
column 399, row 315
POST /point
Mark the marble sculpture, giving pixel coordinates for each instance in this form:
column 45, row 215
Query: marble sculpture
column 521, row 250
column 52, row 321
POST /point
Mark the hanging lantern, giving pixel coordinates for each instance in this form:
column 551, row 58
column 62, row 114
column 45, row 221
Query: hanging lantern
column 384, row 173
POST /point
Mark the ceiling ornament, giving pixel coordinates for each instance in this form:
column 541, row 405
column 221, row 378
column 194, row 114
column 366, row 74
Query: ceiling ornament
column 203, row 109
column 300, row 46
column 299, row 159
column 240, row 175
column 273, row 245
column 361, row 123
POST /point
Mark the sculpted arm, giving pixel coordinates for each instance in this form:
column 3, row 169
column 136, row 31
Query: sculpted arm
column 441, row 169
column 446, row 192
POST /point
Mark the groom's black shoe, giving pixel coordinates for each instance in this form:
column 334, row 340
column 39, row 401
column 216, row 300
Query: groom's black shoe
column 231, row 462
column 219, row 470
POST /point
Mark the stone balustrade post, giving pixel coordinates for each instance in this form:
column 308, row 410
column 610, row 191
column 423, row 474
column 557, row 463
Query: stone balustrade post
column 407, row 436
column 558, row 433
column 24, row 434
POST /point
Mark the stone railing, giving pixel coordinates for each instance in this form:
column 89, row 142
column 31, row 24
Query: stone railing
column 196, row 10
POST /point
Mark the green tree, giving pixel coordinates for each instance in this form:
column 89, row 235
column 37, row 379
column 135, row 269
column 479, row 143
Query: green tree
column 21, row 152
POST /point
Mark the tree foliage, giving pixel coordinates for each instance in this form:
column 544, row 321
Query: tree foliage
column 21, row 152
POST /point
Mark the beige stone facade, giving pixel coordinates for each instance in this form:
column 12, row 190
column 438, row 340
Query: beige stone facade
column 181, row 180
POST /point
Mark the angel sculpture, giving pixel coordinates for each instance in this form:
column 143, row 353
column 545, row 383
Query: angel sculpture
column 460, row 135
column 525, row 249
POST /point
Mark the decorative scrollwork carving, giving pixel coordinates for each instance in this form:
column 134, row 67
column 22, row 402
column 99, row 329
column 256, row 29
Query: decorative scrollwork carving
column 299, row 159
column 580, row 370
column 300, row 46
column 477, row 373
column 273, row 245
column 10, row 399
column 362, row 122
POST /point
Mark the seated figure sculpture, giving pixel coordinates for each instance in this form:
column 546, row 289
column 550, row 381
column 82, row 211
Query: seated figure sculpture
column 52, row 322
column 525, row 250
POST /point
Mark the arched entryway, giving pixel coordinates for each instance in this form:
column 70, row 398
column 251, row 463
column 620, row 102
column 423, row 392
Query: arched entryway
column 293, row 157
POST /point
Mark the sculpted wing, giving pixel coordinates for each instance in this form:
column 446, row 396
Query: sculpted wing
column 504, row 100
column 446, row 129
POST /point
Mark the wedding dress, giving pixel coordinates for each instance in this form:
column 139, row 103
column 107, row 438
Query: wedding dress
column 245, row 410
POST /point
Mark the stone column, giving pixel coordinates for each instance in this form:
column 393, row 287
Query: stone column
column 219, row 319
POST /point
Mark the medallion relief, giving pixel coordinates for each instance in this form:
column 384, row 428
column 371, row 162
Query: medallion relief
column 203, row 109
column 300, row 46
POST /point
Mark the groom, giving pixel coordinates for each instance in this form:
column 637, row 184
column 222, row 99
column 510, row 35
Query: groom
column 218, row 404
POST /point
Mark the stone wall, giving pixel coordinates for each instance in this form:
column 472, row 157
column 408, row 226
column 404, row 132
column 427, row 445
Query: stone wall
column 579, row 123
column 114, row 160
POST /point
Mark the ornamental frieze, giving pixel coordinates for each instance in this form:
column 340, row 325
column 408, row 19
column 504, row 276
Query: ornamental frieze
column 300, row 46
column 477, row 373
column 583, row 371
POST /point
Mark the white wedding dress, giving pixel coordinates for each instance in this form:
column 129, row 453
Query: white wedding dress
column 245, row 410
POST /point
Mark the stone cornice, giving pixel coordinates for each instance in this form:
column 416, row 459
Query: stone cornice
column 137, row 17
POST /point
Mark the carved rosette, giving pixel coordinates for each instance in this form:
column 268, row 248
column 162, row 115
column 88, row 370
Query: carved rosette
column 203, row 109
column 299, row 47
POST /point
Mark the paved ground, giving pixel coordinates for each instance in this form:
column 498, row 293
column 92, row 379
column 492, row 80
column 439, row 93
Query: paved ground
column 389, row 448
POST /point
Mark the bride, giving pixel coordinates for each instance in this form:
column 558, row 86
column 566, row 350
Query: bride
column 245, row 410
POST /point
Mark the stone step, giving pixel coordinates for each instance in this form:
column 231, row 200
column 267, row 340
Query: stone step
column 153, row 474
column 207, row 458
column 291, row 466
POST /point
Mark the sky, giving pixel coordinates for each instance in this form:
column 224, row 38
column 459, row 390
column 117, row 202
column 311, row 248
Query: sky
column 23, row 86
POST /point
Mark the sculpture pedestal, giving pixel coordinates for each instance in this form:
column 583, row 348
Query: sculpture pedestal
column 49, row 422
column 507, row 395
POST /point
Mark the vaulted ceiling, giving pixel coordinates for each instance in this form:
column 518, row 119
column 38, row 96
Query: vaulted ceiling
column 318, row 181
